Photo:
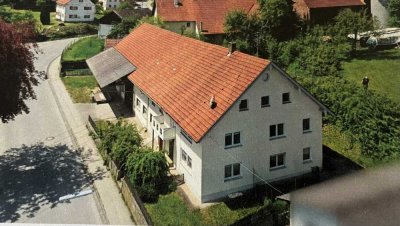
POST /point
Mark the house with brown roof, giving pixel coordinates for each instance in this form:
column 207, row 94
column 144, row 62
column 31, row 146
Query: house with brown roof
column 200, row 17
column 321, row 11
column 227, row 120
column 75, row 10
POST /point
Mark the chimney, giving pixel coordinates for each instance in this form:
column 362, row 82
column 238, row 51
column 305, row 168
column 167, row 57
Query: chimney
column 231, row 48
column 176, row 3
column 213, row 104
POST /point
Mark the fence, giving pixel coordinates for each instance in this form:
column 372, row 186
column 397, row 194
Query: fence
column 77, row 72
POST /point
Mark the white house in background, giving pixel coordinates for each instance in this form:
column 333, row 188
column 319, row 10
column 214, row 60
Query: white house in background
column 110, row 4
column 227, row 120
column 75, row 10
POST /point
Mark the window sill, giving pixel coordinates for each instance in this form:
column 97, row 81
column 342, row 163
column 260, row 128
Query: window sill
column 232, row 178
column 264, row 106
column 307, row 161
column 307, row 131
column 244, row 109
column 277, row 137
column 277, row 168
column 233, row 146
column 287, row 102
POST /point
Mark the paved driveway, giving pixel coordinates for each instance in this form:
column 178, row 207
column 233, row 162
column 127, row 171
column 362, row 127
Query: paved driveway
column 38, row 165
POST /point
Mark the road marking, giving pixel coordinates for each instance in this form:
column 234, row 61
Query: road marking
column 75, row 195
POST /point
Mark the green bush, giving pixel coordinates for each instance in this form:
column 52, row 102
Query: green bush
column 148, row 172
column 70, row 30
column 127, row 140
column 280, row 213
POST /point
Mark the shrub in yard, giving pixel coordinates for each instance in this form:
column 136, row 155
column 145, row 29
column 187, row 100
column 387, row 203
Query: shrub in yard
column 280, row 212
column 127, row 140
column 71, row 30
column 148, row 172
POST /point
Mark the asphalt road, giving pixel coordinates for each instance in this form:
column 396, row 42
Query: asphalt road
column 38, row 164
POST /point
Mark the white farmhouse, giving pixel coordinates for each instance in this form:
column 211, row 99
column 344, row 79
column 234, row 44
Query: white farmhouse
column 227, row 120
column 75, row 10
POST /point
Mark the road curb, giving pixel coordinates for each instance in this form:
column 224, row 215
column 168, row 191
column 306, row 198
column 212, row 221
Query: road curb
column 97, row 198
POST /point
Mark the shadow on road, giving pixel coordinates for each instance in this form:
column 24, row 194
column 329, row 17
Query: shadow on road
column 37, row 175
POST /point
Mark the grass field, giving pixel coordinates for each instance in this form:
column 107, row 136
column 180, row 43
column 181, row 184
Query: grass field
column 83, row 49
column 79, row 87
column 382, row 69
column 170, row 209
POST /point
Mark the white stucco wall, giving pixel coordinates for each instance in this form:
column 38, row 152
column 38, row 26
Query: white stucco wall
column 63, row 12
column 192, row 175
column 104, row 30
column 206, row 176
column 379, row 9
column 256, row 144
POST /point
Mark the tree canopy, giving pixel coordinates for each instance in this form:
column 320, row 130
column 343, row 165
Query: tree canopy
column 394, row 12
column 17, row 70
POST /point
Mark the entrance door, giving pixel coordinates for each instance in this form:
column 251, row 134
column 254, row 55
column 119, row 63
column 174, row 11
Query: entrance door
column 160, row 144
column 171, row 149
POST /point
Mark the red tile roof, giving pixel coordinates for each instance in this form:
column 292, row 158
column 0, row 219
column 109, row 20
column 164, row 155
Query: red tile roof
column 63, row 2
column 182, row 74
column 333, row 3
column 108, row 43
column 210, row 12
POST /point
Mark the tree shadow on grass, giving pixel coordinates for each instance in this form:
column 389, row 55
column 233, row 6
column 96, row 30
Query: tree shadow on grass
column 38, row 175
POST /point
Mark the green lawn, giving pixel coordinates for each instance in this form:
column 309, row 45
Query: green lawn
column 170, row 209
column 382, row 69
column 80, row 87
column 83, row 49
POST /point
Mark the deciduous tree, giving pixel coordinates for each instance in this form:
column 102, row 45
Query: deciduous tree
column 17, row 71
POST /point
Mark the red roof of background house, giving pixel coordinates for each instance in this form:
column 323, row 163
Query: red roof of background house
column 333, row 3
column 182, row 74
column 62, row 2
column 210, row 12
column 108, row 43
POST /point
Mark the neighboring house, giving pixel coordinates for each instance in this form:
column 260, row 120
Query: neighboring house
column 225, row 118
column 321, row 11
column 108, row 21
column 75, row 10
column 368, row 198
column 110, row 4
column 200, row 17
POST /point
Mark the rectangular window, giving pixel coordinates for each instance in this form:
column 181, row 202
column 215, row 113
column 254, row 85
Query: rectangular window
column 152, row 103
column 80, row 0
column 86, row 16
column 137, row 102
column 232, row 171
column 306, row 125
column 243, row 105
column 87, row 8
column 306, row 154
column 184, row 156
column 144, row 109
column 277, row 160
column 73, row 16
column 232, row 139
column 151, row 117
column 276, row 130
column 265, row 101
column 189, row 162
column 73, row 7
column 188, row 24
column 285, row 98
